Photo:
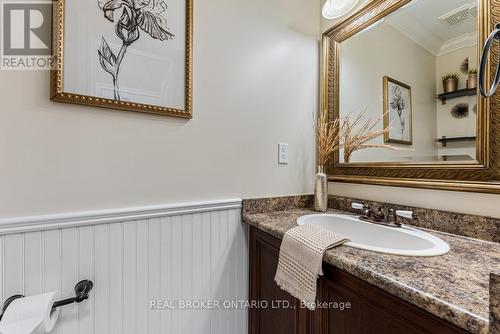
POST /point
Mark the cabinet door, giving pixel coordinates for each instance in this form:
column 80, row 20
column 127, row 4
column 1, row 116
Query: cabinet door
column 371, row 310
column 361, row 317
column 271, row 318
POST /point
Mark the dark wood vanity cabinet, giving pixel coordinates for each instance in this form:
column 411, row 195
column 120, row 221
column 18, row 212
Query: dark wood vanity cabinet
column 372, row 310
column 268, row 318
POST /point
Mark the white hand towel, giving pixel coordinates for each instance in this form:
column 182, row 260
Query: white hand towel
column 301, row 259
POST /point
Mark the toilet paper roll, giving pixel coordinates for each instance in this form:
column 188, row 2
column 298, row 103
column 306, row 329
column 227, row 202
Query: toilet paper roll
column 30, row 315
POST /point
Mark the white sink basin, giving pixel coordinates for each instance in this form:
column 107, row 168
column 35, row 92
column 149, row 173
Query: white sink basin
column 404, row 241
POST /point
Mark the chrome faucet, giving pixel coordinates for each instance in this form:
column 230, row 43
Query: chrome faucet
column 378, row 217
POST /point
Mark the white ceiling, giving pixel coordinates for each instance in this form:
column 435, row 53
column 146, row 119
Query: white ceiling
column 420, row 21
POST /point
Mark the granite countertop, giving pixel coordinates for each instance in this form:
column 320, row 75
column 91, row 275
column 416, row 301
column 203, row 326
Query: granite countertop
column 495, row 303
column 454, row 287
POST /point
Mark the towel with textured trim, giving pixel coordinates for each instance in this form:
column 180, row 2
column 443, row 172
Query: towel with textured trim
column 301, row 259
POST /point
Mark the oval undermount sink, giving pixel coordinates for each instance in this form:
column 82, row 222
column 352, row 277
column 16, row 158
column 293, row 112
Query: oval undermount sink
column 405, row 241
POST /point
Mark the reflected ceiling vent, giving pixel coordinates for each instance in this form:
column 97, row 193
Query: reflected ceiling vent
column 461, row 14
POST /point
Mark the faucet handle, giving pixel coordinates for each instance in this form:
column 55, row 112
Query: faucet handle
column 406, row 214
column 358, row 206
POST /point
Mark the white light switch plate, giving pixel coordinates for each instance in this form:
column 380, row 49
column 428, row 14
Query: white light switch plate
column 283, row 154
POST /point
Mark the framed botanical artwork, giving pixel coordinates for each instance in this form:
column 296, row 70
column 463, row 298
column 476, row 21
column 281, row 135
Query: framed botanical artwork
column 133, row 55
column 398, row 112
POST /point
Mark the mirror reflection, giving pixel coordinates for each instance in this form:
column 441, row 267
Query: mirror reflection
column 416, row 72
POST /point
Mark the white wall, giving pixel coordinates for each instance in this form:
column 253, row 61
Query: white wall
column 482, row 204
column 184, row 253
column 364, row 61
column 255, row 85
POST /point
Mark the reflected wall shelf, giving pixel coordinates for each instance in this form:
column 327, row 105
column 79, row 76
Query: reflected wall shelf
column 444, row 140
column 458, row 93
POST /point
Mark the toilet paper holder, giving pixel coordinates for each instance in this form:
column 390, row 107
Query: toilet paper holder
column 82, row 290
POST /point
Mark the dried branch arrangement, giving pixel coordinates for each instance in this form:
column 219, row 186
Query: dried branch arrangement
column 359, row 132
column 350, row 135
column 328, row 137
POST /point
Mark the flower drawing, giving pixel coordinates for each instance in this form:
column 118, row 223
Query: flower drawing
column 131, row 17
column 398, row 103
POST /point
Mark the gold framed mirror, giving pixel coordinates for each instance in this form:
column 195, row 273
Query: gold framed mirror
column 346, row 50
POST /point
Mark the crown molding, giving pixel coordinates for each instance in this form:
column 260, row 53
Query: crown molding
column 465, row 40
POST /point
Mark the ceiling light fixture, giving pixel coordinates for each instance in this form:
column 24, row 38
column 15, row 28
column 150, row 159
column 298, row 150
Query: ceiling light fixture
column 334, row 9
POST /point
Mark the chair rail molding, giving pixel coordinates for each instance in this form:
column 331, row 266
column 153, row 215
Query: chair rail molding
column 85, row 218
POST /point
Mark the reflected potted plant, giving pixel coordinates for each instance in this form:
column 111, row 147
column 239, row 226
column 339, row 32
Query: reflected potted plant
column 472, row 81
column 450, row 82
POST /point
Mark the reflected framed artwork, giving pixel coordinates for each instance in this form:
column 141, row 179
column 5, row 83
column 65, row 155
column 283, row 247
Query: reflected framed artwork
column 132, row 55
column 398, row 112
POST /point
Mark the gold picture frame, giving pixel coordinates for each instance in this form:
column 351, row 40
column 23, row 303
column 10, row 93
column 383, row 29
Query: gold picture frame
column 482, row 175
column 387, row 113
column 58, row 94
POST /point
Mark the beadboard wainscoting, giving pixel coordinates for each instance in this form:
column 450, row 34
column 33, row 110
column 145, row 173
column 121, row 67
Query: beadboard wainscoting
column 133, row 256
